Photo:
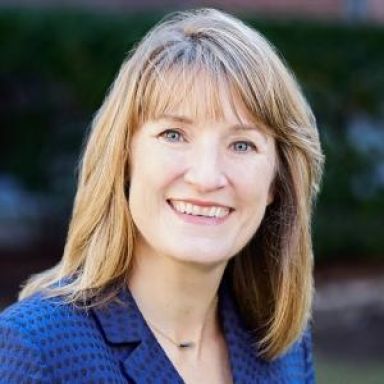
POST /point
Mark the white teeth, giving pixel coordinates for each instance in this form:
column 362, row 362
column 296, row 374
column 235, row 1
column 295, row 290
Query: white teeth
column 196, row 210
column 188, row 208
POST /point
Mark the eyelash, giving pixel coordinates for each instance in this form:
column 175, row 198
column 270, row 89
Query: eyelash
column 168, row 131
column 165, row 135
column 248, row 143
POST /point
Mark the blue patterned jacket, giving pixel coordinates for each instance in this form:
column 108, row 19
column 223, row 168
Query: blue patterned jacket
column 45, row 341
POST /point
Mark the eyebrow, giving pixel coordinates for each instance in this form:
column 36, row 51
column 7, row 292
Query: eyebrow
column 187, row 120
column 177, row 118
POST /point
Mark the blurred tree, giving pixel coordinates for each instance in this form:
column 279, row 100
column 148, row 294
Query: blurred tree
column 56, row 67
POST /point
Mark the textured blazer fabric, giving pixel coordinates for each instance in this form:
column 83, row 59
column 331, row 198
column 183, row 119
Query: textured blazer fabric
column 43, row 340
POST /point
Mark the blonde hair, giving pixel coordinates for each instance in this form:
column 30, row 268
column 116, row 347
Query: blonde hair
column 272, row 275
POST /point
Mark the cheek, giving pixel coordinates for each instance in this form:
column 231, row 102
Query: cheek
column 254, row 196
column 153, row 169
column 254, row 184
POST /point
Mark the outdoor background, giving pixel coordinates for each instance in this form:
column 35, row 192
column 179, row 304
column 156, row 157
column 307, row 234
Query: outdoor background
column 57, row 60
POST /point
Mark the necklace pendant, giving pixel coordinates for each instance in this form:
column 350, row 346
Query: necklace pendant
column 188, row 344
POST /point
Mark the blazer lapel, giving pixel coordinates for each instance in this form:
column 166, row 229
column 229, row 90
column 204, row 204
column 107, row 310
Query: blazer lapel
column 149, row 364
column 122, row 324
column 144, row 361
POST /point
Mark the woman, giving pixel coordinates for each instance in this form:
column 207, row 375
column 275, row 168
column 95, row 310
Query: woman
column 188, row 257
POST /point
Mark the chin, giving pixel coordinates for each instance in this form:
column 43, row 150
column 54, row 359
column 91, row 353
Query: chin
column 201, row 257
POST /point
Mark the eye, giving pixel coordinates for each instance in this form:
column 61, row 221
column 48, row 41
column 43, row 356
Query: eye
column 243, row 146
column 172, row 135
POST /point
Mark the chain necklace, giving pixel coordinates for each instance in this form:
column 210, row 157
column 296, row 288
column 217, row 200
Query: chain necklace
column 181, row 345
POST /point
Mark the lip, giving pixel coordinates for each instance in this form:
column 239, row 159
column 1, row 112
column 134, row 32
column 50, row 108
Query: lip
column 203, row 203
column 200, row 220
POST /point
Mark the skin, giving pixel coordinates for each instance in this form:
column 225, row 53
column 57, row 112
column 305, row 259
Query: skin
column 179, row 156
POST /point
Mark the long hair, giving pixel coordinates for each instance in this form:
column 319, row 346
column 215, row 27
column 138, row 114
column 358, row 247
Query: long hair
column 272, row 276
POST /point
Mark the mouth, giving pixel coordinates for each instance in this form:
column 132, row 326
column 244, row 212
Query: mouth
column 203, row 212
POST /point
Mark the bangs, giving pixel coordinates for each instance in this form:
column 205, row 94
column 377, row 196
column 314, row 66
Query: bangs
column 190, row 81
column 193, row 78
column 193, row 89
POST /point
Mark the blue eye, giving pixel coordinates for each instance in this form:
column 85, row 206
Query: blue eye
column 172, row 135
column 243, row 146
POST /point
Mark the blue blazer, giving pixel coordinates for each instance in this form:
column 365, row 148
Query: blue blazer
column 46, row 341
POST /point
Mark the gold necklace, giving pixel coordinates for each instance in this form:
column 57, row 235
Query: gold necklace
column 181, row 345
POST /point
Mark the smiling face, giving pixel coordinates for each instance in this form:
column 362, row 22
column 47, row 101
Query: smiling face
column 199, row 186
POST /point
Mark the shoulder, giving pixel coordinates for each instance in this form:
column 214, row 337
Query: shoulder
column 295, row 366
column 34, row 338
column 297, row 362
column 40, row 316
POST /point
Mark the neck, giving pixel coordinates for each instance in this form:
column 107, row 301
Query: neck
column 176, row 297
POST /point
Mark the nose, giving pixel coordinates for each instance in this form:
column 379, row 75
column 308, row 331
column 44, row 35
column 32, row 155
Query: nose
column 206, row 171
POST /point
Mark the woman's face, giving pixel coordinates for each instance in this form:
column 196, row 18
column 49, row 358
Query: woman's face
column 199, row 187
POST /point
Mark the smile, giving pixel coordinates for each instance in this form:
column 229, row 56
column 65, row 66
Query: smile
column 207, row 211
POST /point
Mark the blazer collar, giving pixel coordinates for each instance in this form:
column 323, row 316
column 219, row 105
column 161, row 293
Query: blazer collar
column 121, row 322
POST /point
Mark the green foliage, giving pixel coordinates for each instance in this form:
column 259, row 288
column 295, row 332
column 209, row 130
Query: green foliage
column 56, row 67
column 337, row 371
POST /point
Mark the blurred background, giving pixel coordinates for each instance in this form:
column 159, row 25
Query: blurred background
column 58, row 59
